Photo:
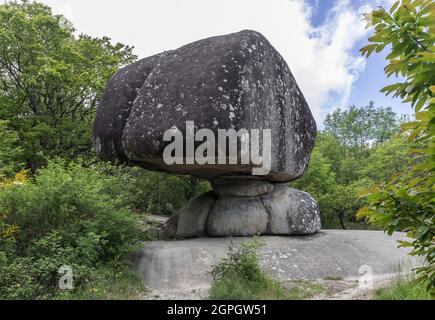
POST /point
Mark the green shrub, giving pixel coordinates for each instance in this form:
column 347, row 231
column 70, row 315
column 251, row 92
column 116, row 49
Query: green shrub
column 64, row 216
column 15, row 281
column 239, row 276
column 69, row 199
column 243, row 261
column 113, row 282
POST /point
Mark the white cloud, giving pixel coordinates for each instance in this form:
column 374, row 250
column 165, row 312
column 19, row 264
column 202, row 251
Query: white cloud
column 320, row 58
column 326, row 67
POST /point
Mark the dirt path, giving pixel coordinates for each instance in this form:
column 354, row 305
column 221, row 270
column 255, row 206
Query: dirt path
column 193, row 294
column 334, row 290
column 349, row 289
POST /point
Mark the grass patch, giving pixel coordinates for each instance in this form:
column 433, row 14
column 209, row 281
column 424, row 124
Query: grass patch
column 239, row 277
column 303, row 289
column 234, row 288
column 404, row 287
column 333, row 278
column 110, row 284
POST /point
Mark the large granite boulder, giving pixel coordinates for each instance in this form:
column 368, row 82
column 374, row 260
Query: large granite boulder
column 236, row 81
column 231, row 82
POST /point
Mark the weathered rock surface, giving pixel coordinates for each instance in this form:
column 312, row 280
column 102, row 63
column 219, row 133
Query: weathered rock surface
column 186, row 264
column 283, row 211
column 292, row 212
column 241, row 187
column 191, row 220
column 115, row 107
column 236, row 81
column 234, row 216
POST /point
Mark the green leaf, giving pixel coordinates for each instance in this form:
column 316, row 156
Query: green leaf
column 430, row 8
column 367, row 50
column 424, row 115
column 394, row 7
column 420, row 103
column 388, row 89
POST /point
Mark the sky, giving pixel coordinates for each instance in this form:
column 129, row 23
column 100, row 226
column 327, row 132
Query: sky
column 319, row 39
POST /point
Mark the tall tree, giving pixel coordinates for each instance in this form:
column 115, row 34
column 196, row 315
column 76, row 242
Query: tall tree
column 51, row 80
column 356, row 129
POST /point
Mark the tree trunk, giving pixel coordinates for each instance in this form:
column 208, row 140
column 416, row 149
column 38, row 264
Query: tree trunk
column 190, row 189
column 341, row 219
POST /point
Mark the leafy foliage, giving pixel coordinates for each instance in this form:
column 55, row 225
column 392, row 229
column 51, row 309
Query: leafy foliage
column 65, row 216
column 51, row 80
column 243, row 261
column 10, row 151
column 239, row 276
column 386, row 160
column 345, row 161
column 408, row 202
column 357, row 129
column 403, row 287
column 152, row 192
column 408, row 27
